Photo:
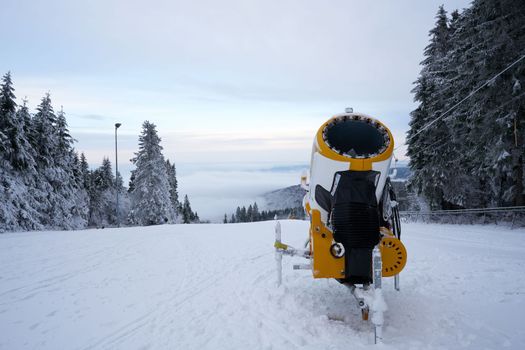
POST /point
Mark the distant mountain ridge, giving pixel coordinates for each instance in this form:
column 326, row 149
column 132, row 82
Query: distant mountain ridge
column 283, row 198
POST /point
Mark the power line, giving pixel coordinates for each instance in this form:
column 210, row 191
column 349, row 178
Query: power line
column 426, row 126
column 427, row 147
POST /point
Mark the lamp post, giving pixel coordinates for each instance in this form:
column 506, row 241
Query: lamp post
column 117, row 125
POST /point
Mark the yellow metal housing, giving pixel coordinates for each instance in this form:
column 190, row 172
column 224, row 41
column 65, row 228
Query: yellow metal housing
column 324, row 265
column 393, row 256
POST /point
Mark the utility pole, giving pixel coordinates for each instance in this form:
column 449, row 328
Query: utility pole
column 117, row 125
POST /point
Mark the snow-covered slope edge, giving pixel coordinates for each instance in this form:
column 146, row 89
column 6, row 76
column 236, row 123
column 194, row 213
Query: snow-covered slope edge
column 213, row 287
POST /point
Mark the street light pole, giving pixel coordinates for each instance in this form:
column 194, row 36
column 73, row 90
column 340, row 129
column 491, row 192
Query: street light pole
column 117, row 125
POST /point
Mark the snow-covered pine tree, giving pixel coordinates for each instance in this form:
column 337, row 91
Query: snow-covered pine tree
column 426, row 147
column 124, row 202
column 255, row 212
column 71, row 210
column 7, row 116
column 187, row 214
column 150, row 198
column 29, row 218
column 45, row 134
column 446, row 148
column 18, row 151
column 17, row 165
column 85, row 172
column 238, row 215
column 45, row 142
column 131, row 185
column 172, row 179
column 486, row 37
column 80, row 209
column 102, row 210
column 8, row 183
column 249, row 214
column 499, row 109
column 24, row 157
column 7, row 102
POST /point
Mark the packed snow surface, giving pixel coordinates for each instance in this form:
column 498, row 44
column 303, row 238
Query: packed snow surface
column 213, row 287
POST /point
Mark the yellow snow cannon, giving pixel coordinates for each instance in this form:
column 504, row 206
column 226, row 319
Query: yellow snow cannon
column 355, row 229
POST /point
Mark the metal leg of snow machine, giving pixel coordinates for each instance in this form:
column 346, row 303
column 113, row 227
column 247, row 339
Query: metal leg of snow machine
column 370, row 298
column 378, row 303
column 396, row 282
column 360, row 300
column 284, row 249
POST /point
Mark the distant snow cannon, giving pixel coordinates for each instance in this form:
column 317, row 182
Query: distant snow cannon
column 354, row 220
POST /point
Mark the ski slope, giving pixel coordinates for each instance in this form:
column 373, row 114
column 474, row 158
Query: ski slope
column 213, row 287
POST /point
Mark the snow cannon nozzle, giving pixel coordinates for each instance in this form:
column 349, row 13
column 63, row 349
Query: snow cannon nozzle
column 356, row 136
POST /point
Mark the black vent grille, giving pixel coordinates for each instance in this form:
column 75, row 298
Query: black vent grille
column 356, row 225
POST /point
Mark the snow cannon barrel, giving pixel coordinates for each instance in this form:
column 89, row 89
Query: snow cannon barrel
column 356, row 137
column 349, row 168
column 348, row 143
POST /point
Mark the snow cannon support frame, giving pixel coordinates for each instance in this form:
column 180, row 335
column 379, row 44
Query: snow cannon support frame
column 355, row 230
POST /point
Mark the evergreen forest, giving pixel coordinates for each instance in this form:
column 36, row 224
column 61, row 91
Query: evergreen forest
column 466, row 137
column 46, row 184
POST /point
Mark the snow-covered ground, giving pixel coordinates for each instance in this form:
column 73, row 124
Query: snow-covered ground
column 213, row 287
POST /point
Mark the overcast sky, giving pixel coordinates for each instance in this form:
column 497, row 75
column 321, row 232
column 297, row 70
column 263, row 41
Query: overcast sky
column 242, row 82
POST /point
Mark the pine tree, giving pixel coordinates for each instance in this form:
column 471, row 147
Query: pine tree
column 45, row 132
column 23, row 152
column 131, row 185
column 255, row 212
column 172, row 179
column 486, row 37
column 80, row 195
column 426, row 148
column 244, row 216
column 84, row 171
column 249, row 214
column 150, row 198
column 16, row 211
column 102, row 209
column 7, row 100
column 18, row 201
column 103, row 177
column 66, row 199
column 501, row 106
column 65, row 141
column 7, row 117
column 238, row 215
column 187, row 213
